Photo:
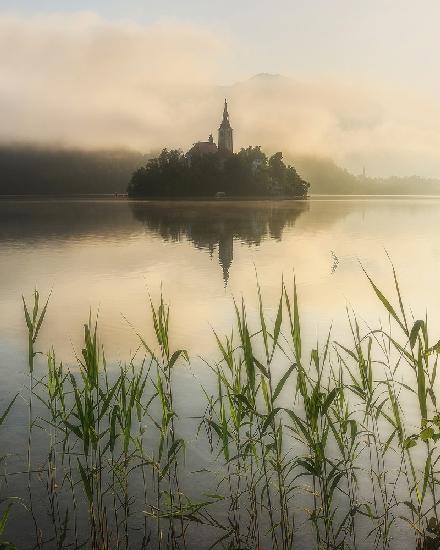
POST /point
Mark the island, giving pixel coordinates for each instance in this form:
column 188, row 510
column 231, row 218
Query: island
column 208, row 170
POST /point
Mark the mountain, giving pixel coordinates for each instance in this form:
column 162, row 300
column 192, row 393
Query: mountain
column 326, row 177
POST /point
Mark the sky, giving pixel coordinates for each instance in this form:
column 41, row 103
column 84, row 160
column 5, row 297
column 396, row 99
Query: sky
column 394, row 39
column 363, row 76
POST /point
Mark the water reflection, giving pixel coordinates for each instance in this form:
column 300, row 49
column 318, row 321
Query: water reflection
column 25, row 221
column 215, row 226
column 208, row 226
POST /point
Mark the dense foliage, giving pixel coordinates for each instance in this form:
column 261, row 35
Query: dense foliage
column 248, row 173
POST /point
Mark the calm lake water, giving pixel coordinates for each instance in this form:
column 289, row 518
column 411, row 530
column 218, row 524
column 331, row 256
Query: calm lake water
column 106, row 256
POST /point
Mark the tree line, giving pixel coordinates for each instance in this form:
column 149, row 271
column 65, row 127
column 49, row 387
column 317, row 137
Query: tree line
column 31, row 170
column 248, row 173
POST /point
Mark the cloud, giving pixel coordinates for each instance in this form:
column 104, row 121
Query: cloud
column 80, row 80
column 387, row 129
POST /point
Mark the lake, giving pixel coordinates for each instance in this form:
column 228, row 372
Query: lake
column 107, row 256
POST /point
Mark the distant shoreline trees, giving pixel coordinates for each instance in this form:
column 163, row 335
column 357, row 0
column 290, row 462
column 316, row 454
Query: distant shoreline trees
column 248, row 173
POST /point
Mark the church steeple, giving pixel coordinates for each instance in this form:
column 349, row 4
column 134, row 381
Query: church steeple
column 225, row 113
column 225, row 141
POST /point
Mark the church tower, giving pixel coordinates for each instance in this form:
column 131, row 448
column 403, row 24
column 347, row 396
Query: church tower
column 225, row 143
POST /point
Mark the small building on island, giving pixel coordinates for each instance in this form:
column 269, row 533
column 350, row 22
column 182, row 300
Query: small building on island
column 203, row 148
column 225, row 140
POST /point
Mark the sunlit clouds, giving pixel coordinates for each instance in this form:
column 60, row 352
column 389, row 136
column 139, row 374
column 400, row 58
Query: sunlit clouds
column 80, row 80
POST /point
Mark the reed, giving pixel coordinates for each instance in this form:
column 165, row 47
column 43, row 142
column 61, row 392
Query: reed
column 5, row 545
column 334, row 447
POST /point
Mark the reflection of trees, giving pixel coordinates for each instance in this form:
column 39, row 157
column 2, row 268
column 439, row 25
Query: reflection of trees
column 215, row 225
column 44, row 220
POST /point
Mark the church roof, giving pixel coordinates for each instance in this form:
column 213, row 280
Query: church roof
column 203, row 148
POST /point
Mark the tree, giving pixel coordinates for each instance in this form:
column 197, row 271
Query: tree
column 248, row 173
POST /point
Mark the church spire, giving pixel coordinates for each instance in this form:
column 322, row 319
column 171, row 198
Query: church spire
column 225, row 142
column 225, row 112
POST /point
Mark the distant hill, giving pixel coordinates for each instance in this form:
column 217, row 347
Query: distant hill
column 326, row 177
column 27, row 170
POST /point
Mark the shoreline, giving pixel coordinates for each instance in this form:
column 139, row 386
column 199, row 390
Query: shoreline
column 311, row 197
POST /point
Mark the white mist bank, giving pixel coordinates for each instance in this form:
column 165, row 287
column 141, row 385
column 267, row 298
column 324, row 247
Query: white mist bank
column 82, row 81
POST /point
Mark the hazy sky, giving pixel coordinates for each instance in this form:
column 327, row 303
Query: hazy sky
column 393, row 39
column 144, row 74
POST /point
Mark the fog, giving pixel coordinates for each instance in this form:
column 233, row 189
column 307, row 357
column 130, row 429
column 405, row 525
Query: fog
column 83, row 81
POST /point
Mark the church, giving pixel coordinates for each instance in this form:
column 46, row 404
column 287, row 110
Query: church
column 225, row 139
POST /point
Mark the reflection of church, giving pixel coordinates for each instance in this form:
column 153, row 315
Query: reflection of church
column 222, row 239
column 215, row 226
column 225, row 139
column 226, row 253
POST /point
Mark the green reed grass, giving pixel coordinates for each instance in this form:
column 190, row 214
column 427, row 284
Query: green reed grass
column 332, row 448
column 5, row 545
